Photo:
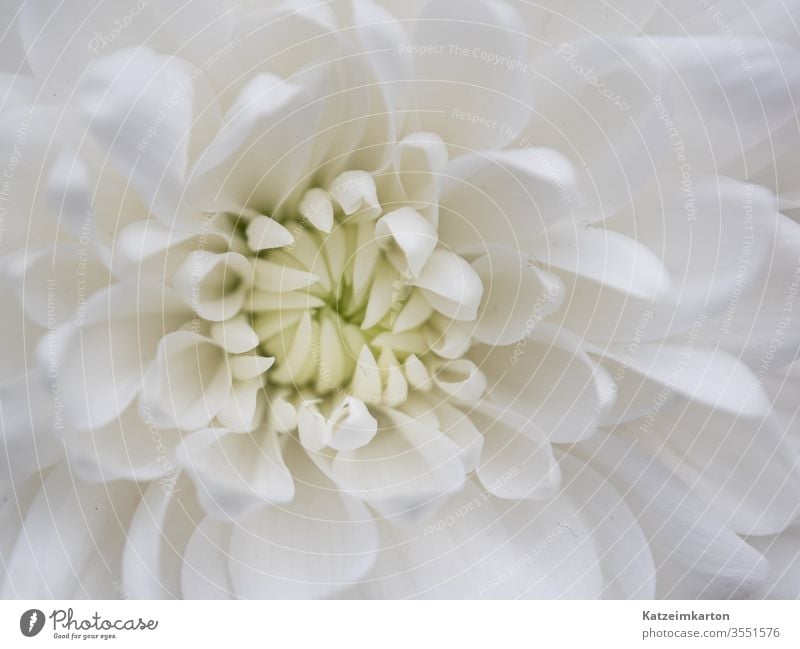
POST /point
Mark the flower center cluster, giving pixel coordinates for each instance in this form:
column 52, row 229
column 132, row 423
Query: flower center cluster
column 342, row 308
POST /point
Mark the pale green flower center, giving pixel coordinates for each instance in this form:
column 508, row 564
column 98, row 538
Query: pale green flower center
column 345, row 307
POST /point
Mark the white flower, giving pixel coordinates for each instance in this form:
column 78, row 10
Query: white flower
column 475, row 299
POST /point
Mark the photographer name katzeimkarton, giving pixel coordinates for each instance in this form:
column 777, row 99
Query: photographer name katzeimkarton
column 684, row 615
column 65, row 620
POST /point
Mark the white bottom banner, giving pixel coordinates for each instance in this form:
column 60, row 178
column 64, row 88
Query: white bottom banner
column 406, row 624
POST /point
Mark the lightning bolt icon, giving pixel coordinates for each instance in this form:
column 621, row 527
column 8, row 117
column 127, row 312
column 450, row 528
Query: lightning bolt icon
column 32, row 621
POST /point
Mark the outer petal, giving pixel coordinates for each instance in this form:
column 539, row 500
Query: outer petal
column 748, row 470
column 695, row 553
column 760, row 321
column 31, row 422
column 516, row 296
column 710, row 377
column 516, row 461
column 714, row 247
column 100, row 360
column 752, row 97
column 460, row 82
column 482, row 547
column 188, row 381
column 130, row 447
column 549, row 378
column 783, row 553
column 504, row 197
column 313, row 547
column 594, row 103
column 139, row 108
column 164, row 522
column 71, row 541
column 404, row 471
column 256, row 158
column 236, row 473
column 205, row 573
column 755, row 18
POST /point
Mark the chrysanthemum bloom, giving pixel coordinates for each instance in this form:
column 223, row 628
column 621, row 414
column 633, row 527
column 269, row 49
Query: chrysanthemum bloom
column 349, row 299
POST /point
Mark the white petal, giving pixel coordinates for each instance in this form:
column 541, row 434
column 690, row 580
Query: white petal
column 16, row 328
column 588, row 93
column 204, row 574
column 294, row 354
column 159, row 532
column 624, row 553
column 278, row 278
column 30, row 134
column 461, row 380
column 355, row 193
column 605, row 257
column 255, row 158
column 53, row 282
column 482, row 547
column 404, row 472
column 366, row 383
column 452, row 87
column 505, row 197
column 415, row 312
column 244, row 409
column 550, row 22
column 139, row 107
column 762, row 18
column 131, row 447
column 756, row 325
column 447, row 338
column 213, row 284
column 31, row 425
column 385, row 286
column 102, row 361
column 365, row 259
column 139, row 242
column 458, row 426
column 69, row 191
column 290, row 305
column 235, row 335
column 711, row 377
column 388, row 72
column 61, row 44
column 314, row 431
column 264, row 233
column 235, row 474
column 454, row 556
column 411, row 232
column 419, row 160
column 696, row 555
column 549, row 378
column 516, row 296
column 783, row 553
column 249, row 367
column 748, row 470
column 188, row 381
column 313, row 547
column 317, row 207
column 70, row 528
column 417, row 374
column 352, row 425
column 715, row 247
column 15, row 498
column 517, row 461
column 749, row 97
column 451, row 285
